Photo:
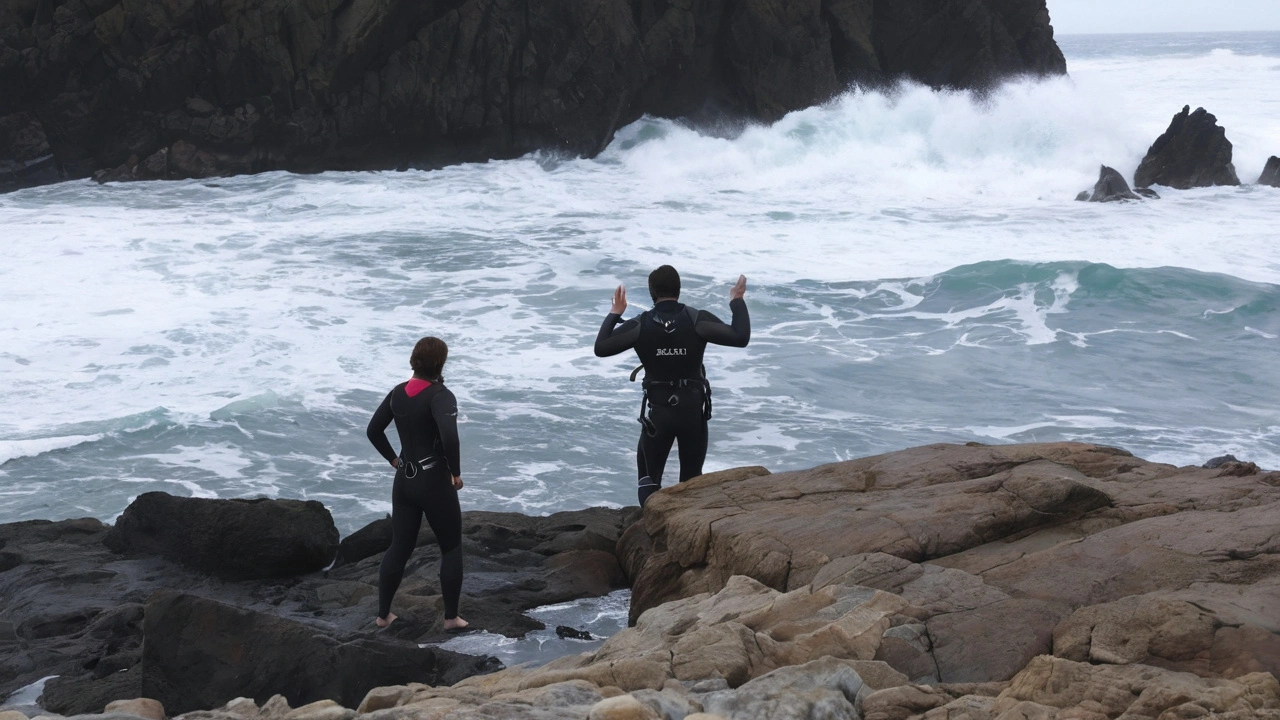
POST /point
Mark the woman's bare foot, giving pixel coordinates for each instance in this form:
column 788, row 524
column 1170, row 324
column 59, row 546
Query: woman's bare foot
column 455, row 624
column 391, row 617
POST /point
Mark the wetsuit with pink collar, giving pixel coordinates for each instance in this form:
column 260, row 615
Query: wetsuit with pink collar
column 426, row 418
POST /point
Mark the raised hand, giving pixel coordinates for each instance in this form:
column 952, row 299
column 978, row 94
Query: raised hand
column 739, row 289
column 619, row 300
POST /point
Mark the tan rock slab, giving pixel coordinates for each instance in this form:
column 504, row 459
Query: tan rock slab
column 623, row 707
column 142, row 707
column 381, row 698
column 321, row 710
column 242, row 707
column 12, row 715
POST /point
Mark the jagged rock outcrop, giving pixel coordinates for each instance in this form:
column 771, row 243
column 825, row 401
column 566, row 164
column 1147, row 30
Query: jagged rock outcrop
column 1111, row 187
column 1193, row 152
column 1271, row 173
column 194, row 88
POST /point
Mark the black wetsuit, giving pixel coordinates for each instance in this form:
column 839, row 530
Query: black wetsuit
column 429, row 459
column 670, row 340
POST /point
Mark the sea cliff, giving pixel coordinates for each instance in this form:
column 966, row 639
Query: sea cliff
column 197, row 88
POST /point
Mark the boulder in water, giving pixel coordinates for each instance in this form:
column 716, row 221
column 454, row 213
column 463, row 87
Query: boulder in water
column 1193, row 152
column 1111, row 187
column 1271, row 173
column 233, row 539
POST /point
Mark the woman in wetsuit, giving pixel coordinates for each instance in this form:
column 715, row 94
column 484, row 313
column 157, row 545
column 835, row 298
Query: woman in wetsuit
column 428, row 477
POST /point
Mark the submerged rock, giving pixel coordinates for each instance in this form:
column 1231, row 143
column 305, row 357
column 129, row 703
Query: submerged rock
column 1111, row 187
column 1271, row 173
column 198, row 89
column 1193, row 152
column 233, row 539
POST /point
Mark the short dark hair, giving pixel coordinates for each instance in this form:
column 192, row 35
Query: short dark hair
column 664, row 283
column 428, row 358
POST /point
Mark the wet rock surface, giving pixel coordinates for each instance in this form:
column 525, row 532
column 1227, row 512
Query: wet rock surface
column 72, row 607
column 1111, row 187
column 232, row 539
column 119, row 91
column 1193, row 152
column 1271, row 173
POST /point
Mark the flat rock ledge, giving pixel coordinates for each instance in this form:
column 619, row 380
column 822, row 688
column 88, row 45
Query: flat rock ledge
column 1059, row 581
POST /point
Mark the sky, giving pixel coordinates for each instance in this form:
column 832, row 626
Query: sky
column 1139, row 16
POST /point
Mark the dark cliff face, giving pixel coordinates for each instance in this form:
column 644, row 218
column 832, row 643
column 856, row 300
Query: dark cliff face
column 191, row 88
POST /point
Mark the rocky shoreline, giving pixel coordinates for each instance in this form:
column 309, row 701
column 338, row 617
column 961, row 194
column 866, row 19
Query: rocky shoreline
column 1062, row 581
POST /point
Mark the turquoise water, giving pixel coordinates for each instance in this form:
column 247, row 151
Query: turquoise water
column 918, row 272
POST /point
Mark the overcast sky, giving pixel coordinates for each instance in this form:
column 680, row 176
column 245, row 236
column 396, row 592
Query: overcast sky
column 1137, row 16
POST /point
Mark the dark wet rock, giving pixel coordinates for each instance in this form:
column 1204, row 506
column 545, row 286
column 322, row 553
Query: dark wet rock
column 233, row 539
column 201, row 653
column 1111, row 187
column 71, row 607
column 1271, row 173
column 1193, row 152
column 372, row 539
column 202, row 88
column 569, row 633
column 1219, row 461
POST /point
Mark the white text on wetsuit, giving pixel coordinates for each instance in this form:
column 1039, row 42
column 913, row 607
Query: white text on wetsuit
column 672, row 351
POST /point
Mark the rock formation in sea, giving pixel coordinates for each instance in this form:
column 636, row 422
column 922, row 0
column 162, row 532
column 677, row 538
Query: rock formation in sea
column 195, row 88
column 1193, row 152
column 1057, row 581
column 1111, row 187
column 1271, row 173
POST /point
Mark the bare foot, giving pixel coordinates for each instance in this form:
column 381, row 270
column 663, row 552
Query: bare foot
column 455, row 624
column 391, row 617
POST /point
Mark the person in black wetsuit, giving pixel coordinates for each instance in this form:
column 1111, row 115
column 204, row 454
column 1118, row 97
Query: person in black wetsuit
column 670, row 340
column 428, row 477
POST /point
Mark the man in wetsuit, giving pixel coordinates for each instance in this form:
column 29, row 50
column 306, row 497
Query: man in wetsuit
column 670, row 340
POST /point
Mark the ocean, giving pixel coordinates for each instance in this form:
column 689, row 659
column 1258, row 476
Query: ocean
column 918, row 272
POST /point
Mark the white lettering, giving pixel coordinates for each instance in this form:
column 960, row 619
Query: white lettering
column 663, row 352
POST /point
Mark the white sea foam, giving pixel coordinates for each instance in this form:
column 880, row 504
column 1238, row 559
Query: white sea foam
column 31, row 447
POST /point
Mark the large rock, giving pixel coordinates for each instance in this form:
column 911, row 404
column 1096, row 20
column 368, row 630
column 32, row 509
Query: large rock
column 233, row 539
column 1271, row 173
column 201, row 654
column 1170, row 633
column 1193, row 152
column 992, row 547
column 1111, row 187
column 208, row 87
column 1140, row 691
column 782, row 529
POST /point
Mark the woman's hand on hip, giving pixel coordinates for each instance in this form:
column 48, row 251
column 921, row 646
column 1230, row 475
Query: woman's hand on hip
column 395, row 463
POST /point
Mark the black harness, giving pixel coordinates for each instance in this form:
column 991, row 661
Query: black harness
column 675, row 385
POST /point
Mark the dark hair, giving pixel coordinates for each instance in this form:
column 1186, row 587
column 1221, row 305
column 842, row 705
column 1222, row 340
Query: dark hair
column 428, row 358
column 664, row 283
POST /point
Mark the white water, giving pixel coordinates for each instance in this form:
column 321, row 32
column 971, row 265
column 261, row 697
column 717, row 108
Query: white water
column 230, row 338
